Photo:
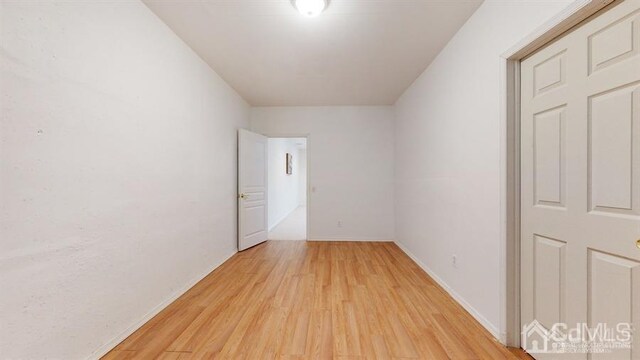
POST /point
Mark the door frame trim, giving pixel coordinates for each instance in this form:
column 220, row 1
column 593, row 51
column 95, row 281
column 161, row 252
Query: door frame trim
column 565, row 21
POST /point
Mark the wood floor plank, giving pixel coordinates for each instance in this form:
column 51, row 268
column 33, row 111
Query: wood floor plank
column 315, row 300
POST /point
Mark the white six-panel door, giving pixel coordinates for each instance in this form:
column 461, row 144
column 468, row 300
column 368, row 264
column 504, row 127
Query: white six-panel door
column 252, row 189
column 580, row 178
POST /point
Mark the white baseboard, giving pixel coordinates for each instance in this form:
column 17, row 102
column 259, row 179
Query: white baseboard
column 104, row 349
column 346, row 238
column 457, row 297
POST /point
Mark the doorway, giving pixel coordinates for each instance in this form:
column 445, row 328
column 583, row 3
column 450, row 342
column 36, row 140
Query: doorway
column 287, row 190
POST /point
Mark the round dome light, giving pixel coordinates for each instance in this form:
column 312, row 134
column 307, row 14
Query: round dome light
column 310, row 8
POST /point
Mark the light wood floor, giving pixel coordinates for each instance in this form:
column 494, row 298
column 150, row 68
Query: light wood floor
column 320, row 300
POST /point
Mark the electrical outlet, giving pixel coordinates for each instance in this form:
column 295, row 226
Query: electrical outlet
column 339, row 223
column 454, row 261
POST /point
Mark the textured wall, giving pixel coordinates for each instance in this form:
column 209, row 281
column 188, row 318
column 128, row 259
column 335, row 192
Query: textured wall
column 117, row 173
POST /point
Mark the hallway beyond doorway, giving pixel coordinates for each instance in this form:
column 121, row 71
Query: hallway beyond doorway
column 287, row 188
column 293, row 227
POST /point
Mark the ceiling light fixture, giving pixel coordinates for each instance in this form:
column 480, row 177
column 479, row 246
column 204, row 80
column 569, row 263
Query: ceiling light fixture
column 310, row 8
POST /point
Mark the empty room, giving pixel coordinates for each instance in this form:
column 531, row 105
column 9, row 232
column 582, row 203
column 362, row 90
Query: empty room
column 319, row 179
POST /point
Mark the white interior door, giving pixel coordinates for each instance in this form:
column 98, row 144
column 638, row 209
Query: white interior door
column 580, row 181
column 252, row 189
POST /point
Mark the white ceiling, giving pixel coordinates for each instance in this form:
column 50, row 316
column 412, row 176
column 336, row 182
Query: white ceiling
column 358, row 52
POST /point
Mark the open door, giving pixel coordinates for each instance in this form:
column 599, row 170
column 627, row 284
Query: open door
column 252, row 189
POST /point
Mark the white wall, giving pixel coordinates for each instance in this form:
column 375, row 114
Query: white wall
column 283, row 191
column 117, row 173
column 447, row 159
column 350, row 166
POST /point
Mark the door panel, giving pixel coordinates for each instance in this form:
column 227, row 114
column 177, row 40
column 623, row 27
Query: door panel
column 614, row 43
column 550, row 73
column 252, row 189
column 548, row 143
column 613, row 118
column 608, row 275
column 580, row 179
column 549, row 267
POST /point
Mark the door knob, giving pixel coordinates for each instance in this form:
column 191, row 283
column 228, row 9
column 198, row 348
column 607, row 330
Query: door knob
column 638, row 244
column 243, row 196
